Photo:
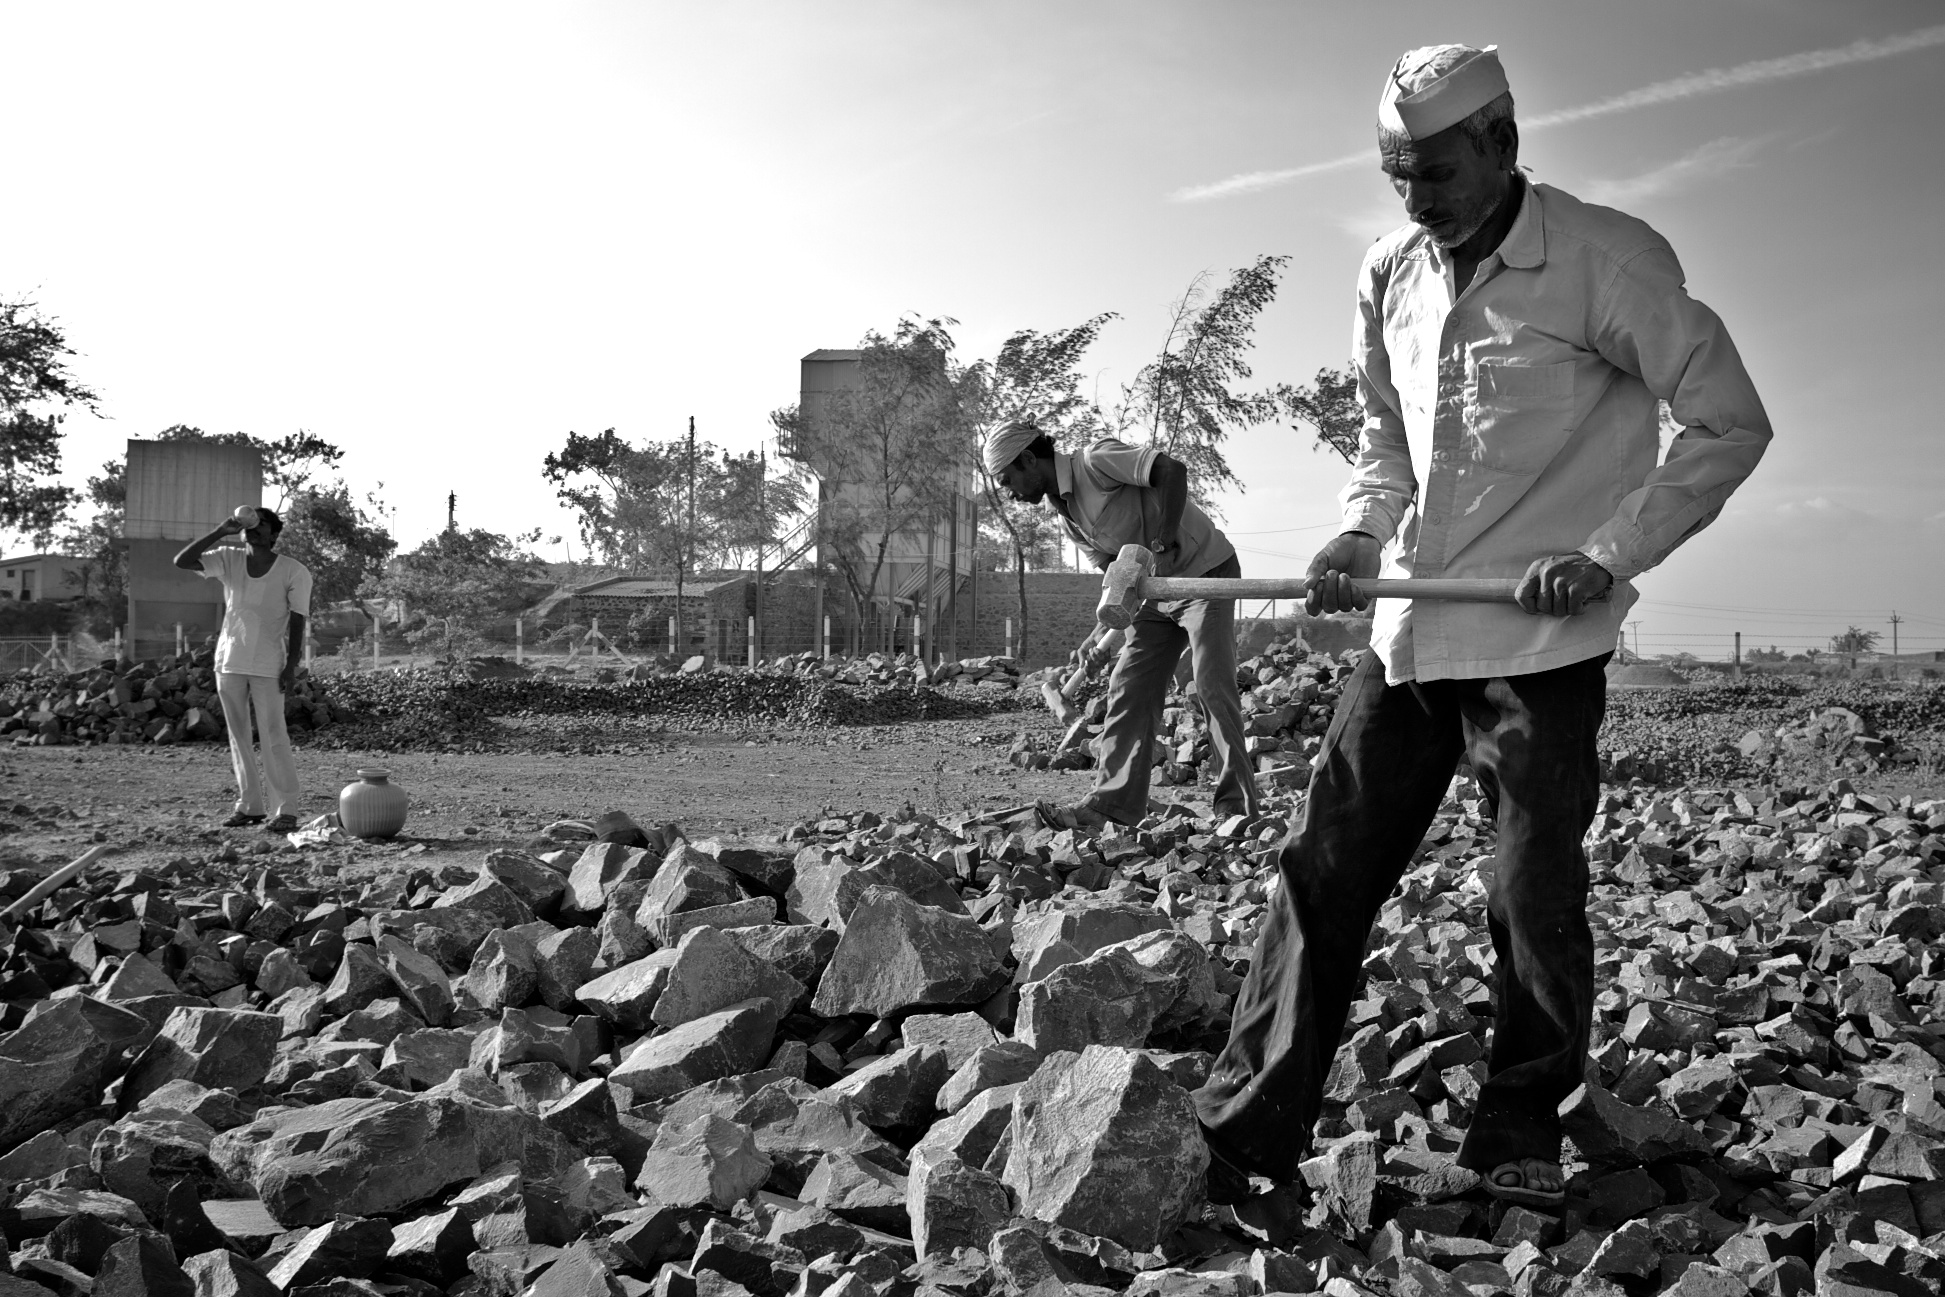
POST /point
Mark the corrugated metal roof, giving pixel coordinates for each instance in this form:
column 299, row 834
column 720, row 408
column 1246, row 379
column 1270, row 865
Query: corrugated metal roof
column 830, row 353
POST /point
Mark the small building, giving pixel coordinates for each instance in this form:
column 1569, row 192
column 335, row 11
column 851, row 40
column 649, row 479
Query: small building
column 177, row 491
column 42, row 578
column 928, row 567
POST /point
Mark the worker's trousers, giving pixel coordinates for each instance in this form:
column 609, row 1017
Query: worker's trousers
column 239, row 694
column 1139, row 686
column 1383, row 771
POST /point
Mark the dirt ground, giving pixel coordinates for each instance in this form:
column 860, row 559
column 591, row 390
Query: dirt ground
column 158, row 805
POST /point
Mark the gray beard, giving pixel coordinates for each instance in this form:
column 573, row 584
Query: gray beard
column 1469, row 224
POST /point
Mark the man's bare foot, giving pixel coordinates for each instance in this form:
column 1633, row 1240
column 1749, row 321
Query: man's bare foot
column 1531, row 1181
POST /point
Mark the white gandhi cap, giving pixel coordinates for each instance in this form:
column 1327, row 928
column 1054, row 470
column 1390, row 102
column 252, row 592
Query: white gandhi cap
column 1438, row 86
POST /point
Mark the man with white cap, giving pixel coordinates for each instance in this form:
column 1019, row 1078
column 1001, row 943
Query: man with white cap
column 1112, row 494
column 1512, row 344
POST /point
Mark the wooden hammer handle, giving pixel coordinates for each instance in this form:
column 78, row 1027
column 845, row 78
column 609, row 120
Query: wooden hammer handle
column 56, row 881
column 1467, row 589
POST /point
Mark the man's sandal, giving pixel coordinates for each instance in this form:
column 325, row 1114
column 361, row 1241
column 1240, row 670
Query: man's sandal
column 1512, row 1182
column 282, row 824
column 241, row 820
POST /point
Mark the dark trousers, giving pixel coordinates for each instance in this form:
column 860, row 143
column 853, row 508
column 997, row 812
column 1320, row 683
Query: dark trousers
column 1139, row 686
column 1385, row 767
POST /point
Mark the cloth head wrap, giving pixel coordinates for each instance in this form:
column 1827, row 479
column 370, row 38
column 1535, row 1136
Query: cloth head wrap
column 1004, row 446
column 1438, row 86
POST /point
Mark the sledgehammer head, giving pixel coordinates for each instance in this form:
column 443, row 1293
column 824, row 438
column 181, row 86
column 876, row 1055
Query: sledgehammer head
column 1121, row 587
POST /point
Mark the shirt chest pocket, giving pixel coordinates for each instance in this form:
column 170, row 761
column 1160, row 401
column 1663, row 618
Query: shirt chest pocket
column 1520, row 415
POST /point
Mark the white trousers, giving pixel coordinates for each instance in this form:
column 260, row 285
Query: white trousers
column 239, row 694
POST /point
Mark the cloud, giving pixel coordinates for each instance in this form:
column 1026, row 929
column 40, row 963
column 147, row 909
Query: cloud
column 1252, row 181
column 1716, row 80
column 1704, row 163
column 1712, row 81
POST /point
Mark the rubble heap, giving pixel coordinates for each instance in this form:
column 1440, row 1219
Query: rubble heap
column 171, row 700
column 1759, row 729
column 913, row 1057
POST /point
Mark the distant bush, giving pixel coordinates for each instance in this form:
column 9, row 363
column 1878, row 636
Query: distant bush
column 19, row 619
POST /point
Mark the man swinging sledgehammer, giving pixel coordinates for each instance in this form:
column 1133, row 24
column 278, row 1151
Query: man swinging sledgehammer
column 1112, row 494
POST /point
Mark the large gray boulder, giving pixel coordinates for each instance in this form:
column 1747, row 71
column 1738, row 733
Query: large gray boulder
column 627, row 995
column 799, row 949
column 602, row 868
column 1105, row 1142
column 711, row 971
column 368, row 1157
column 142, row 1155
column 897, row 955
column 1106, row 999
column 708, row 1162
column 687, row 880
column 55, row 1064
column 224, row 1049
column 1047, row 935
column 731, row 1040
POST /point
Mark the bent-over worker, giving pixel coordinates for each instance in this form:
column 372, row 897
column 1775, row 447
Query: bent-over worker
column 1112, row 494
column 266, row 601
column 1511, row 345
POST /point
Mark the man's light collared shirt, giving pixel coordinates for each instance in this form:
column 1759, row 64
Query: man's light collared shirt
column 1520, row 421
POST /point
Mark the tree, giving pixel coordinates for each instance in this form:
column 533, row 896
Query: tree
column 633, row 501
column 341, row 543
column 1183, row 400
column 456, row 582
column 36, row 391
column 887, row 453
column 1855, row 639
column 1330, row 406
column 1035, row 377
column 752, row 506
column 678, row 506
column 98, row 544
column 1770, row 654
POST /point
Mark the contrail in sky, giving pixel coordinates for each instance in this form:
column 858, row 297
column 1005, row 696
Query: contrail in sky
column 1661, row 92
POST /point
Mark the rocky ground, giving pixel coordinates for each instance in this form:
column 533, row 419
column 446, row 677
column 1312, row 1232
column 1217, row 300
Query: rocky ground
column 785, row 1049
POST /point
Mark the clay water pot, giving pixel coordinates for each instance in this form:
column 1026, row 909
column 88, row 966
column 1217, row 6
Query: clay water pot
column 372, row 807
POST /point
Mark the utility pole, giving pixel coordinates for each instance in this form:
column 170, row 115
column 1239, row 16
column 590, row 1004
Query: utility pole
column 1738, row 671
column 452, row 511
column 1895, row 619
column 762, row 536
column 686, row 550
column 1636, row 627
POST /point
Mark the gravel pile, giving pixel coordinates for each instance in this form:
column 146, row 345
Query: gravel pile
column 174, row 701
column 1765, row 729
column 167, row 701
column 921, row 1057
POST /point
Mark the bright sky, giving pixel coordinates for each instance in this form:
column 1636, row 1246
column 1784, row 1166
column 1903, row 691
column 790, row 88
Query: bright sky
column 442, row 236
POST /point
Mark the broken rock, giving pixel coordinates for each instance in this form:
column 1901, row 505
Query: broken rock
column 709, row 971
column 709, row 1162
column 731, row 1040
column 1104, row 1142
column 229, row 1049
column 1106, row 999
column 898, row 955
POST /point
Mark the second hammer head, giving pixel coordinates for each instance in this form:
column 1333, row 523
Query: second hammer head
column 1121, row 586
